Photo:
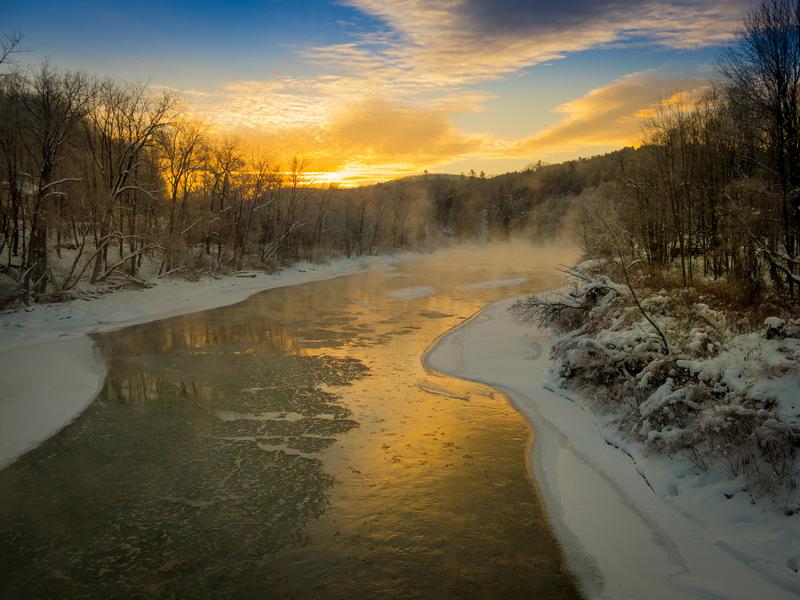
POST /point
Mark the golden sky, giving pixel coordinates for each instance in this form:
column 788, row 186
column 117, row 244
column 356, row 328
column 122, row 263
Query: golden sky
column 368, row 90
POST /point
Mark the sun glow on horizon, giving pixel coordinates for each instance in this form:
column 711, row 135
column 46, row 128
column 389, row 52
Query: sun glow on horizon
column 342, row 179
column 352, row 178
column 439, row 88
column 372, row 90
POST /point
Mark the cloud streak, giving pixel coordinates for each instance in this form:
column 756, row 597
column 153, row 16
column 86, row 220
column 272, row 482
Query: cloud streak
column 438, row 43
column 363, row 135
column 387, row 97
column 374, row 138
column 611, row 115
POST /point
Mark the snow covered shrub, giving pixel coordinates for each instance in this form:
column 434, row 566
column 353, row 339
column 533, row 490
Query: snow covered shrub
column 753, row 441
column 558, row 316
column 567, row 312
column 592, row 361
column 778, row 329
column 773, row 328
column 792, row 329
column 561, row 315
column 608, row 357
column 718, row 396
column 670, row 406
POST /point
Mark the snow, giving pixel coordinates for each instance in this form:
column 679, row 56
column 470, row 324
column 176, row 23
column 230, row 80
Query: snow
column 44, row 387
column 496, row 283
column 774, row 322
column 742, row 365
column 50, row 371
column 632, row 525
column 412, row 293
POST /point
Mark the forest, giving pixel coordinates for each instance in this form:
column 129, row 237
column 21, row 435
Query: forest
column 107, row 183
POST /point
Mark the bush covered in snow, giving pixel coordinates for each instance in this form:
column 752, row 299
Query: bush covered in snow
column 712, row 394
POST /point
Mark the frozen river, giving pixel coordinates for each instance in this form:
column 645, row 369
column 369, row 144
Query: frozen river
column 293, row 445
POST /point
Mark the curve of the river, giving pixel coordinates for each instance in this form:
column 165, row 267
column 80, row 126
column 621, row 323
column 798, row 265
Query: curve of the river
column 293, row 445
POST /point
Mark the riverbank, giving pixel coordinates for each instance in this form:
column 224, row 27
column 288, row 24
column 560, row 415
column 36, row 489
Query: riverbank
column 50, row 371
column 631, row 525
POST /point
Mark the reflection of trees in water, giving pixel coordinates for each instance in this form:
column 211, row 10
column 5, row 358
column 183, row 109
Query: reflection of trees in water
column 252, row 381
column 184, row 477
column 250, row 331
column 193, row 333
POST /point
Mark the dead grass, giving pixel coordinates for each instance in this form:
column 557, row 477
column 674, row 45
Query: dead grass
column 745, row 307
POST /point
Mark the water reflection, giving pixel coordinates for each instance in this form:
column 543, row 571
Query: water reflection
column 290, row 446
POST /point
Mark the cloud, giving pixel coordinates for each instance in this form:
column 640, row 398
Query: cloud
column 671, row 22
column 365, row 135
column 438, row 43
column 375, row 128
column 386, row 97
column 341, row 122
column 613, row 115
column 374, row 138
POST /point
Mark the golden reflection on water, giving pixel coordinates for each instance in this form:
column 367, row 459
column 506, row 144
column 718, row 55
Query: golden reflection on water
column 293, row 445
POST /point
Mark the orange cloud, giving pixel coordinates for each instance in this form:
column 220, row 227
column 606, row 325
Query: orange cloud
column 385, row 102
column 368, row 138
column 612, row 115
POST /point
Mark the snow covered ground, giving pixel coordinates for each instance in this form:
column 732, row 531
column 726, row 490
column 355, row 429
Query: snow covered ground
column 49, row 370
column 632, row 525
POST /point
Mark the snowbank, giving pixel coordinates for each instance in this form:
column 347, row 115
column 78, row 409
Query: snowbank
column 632, row 526
column 49, row 370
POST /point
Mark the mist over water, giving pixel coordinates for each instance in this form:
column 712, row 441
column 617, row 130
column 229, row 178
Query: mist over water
column 293, row 445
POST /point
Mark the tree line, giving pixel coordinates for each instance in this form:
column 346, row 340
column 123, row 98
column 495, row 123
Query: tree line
column 714, row 191
column 107, row 182
column 104, row 182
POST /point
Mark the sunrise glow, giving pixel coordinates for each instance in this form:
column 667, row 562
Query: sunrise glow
column 398, row 299
column 369, row 91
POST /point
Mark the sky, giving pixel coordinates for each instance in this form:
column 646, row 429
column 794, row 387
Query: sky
column 370, row 90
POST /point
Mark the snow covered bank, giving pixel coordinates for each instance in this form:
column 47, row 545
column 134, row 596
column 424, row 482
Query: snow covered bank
column 632, row 525
column 49, row 371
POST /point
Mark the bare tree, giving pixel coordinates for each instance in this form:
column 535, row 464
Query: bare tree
column 262, row 184
column 121, row 126
column 183, row 155
column 11, row 151
column 55, row 102
column 9, row 46
column 225, row 164
column 764, row 74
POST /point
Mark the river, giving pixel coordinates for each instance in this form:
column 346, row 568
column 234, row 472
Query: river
column 293, row 446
